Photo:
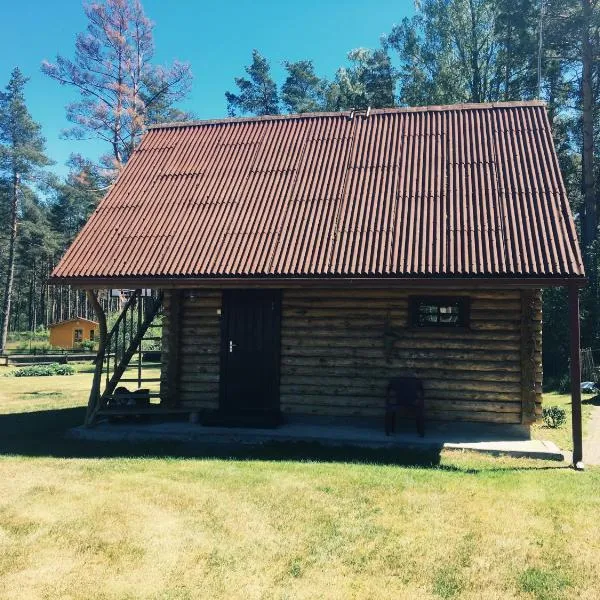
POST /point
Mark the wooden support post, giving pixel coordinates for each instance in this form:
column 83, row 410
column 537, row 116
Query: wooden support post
column 173, row 347
column 139, row 327
column 575, row 376
column 94, row 398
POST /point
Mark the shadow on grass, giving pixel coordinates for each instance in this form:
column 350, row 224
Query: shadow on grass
column 593, row 401
column 43, row 434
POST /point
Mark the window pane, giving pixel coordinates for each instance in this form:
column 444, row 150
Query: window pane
column 449, row 314
column 449, row 309
column 429, row 312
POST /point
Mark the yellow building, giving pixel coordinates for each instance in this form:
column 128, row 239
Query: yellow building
column 72, row 332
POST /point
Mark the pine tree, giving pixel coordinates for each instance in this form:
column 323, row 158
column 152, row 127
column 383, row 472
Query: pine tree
column 37, row 247
column 21, row 157
column 516, row 31
column 588, row 55
column 467, row 51
column 258, row 94
column 76, row 198
column 121, row 89
column 303, row 91
column 368, row 81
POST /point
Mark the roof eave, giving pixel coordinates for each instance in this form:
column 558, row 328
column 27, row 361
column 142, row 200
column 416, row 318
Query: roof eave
column 73, row 320
column 288, row 282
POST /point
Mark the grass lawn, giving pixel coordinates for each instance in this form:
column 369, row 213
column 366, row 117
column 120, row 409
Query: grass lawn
column 80, row 520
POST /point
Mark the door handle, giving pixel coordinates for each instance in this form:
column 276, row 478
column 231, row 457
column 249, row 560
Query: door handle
column 232, row 346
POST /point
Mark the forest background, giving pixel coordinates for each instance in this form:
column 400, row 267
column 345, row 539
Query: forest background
column 441, row 52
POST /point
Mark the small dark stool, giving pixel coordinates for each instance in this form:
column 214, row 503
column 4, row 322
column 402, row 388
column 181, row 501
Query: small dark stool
column 404, row 392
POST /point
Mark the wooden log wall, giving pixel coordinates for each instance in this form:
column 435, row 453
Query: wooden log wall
column 199, row 346
column 340, row 347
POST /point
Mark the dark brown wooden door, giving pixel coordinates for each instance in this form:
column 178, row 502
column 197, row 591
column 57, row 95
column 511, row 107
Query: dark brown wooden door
column 250, row 354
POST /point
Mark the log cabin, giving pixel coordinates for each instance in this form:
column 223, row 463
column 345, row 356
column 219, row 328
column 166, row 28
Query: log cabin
column 301, row 261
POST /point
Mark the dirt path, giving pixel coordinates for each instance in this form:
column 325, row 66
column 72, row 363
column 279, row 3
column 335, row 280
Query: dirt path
column 591, row 445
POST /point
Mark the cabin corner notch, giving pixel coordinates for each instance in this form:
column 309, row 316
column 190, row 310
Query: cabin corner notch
column 531, row 355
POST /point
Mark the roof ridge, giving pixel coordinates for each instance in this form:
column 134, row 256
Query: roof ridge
column 348, row 113
column 71, row 321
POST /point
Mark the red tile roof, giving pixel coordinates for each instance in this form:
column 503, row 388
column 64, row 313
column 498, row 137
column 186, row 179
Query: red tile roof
column 456, row 191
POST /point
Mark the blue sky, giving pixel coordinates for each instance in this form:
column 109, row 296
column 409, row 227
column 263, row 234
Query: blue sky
column 215, row 37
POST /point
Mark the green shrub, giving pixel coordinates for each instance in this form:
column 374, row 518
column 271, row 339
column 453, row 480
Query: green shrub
column 151, row 344
column 33, row 371
column 88, row 345
column 554, row 416
column 63, row 369
column 43, row 370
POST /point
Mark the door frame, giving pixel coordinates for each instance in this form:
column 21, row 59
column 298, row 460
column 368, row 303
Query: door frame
column 227, row 296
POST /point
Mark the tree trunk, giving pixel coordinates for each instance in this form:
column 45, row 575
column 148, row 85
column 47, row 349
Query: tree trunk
column 590, row 222
column 42, row 302
column 475, row 71
column 30, row 303
column 10, row 271
column 94, row 398
column 118, row 109
column 61, row 304
column 507, row 71
column 52, row 317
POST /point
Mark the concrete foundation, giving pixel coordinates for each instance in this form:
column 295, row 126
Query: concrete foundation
column 490, row 439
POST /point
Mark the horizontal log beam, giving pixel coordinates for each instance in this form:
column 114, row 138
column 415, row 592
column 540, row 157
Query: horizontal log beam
column 379, row 403
column 399, row 353
column 433, row 392
column 420, row 362
column 317, row 343
column 457, row 380
column 417, row 335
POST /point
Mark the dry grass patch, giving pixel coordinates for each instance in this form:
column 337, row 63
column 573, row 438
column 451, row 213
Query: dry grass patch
column 170, row 523
column 166, row 528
